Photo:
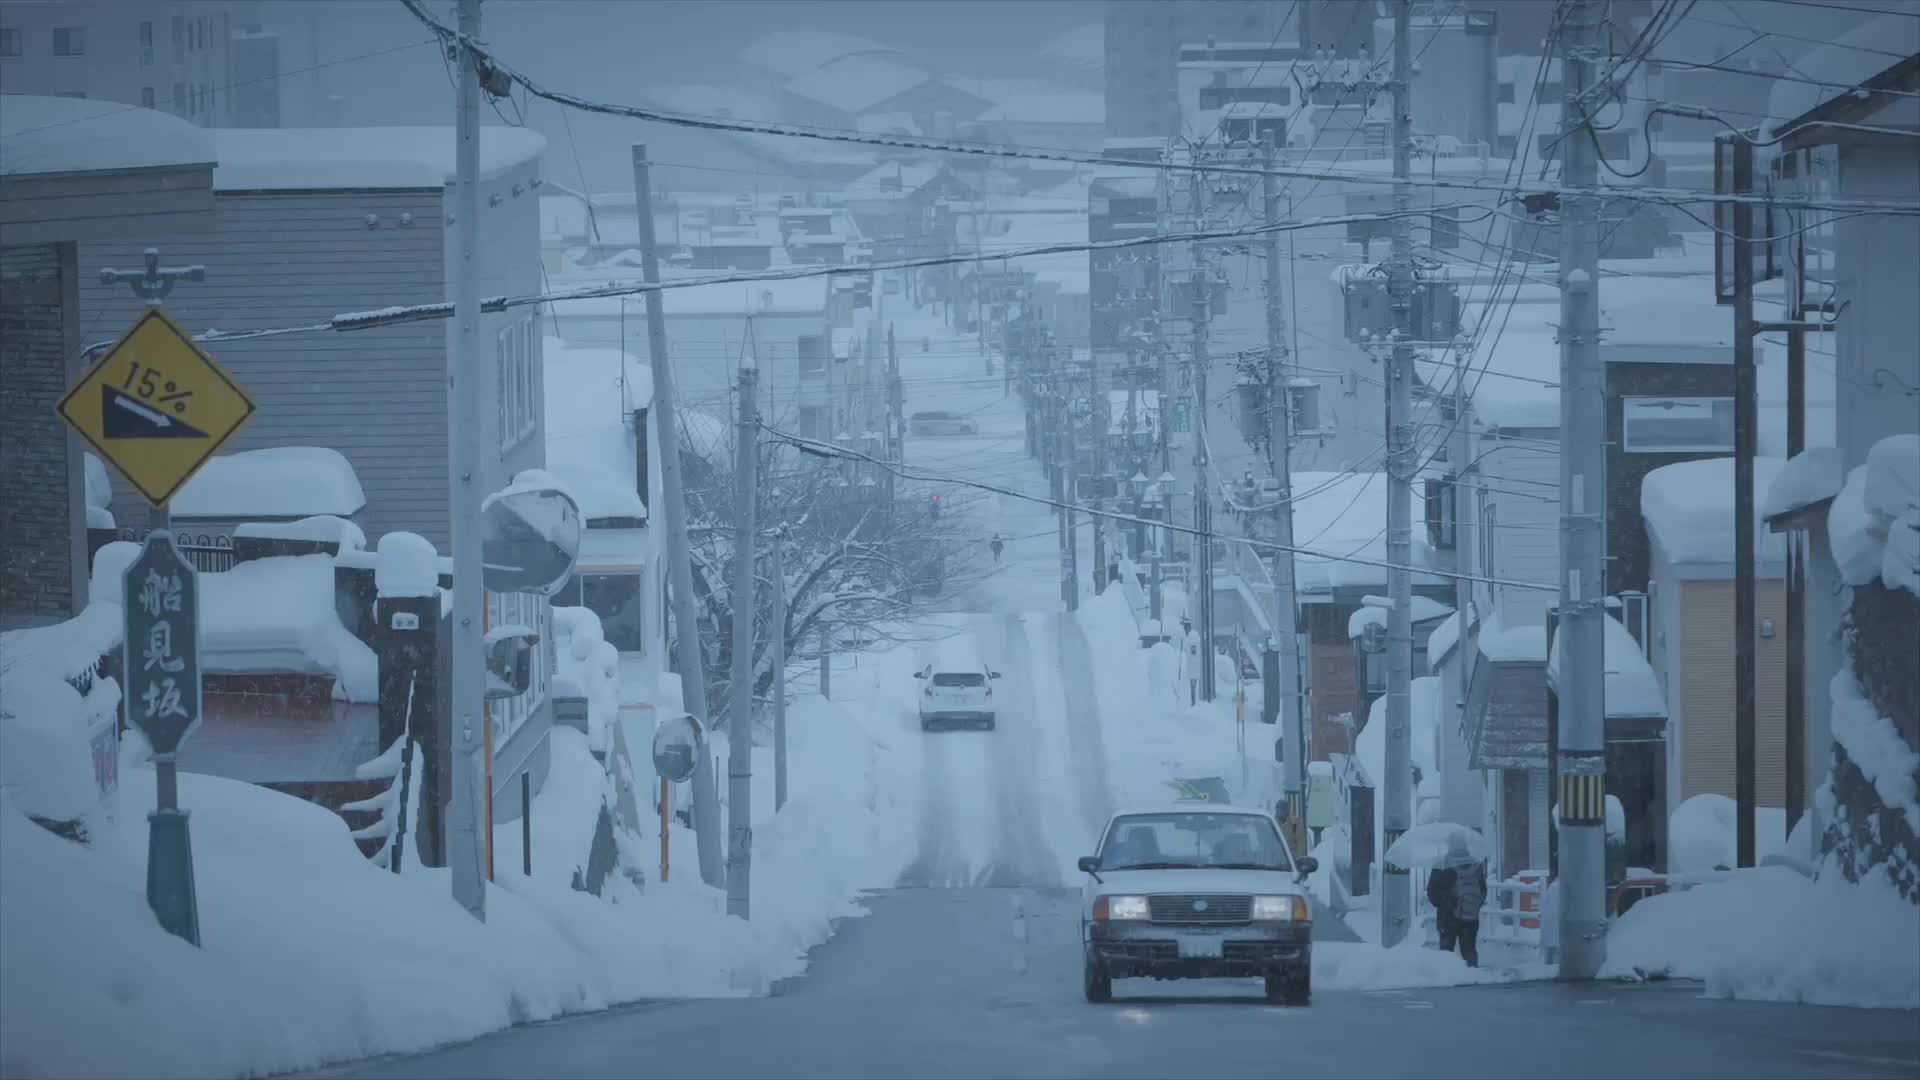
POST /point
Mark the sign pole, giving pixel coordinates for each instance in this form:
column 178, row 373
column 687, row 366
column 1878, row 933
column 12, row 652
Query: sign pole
column 162, row 664
column 666, row 818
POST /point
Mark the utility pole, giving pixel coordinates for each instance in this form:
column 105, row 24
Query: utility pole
column 693, row 675
column 466, row 851
column 777, row 630
column 1582, row 673
column 1396, row 901
column 896, row 416
column 746, row 458
column 1745, row 721
column 1202, row 495
column 1097, row 428
column 1286, row 620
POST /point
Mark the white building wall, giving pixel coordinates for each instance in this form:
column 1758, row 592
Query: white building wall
column 1878, row 278
column 1520, row 488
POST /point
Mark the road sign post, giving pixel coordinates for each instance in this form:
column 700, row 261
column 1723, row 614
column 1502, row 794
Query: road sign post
column 157, row 407
column 162, row 665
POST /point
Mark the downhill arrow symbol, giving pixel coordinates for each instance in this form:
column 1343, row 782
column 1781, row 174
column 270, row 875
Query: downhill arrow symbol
column 122, row 416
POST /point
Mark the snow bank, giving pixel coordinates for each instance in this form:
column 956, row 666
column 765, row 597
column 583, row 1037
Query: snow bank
column 588, row 666
column 321, row 528
column 1771, row 934
column 590, row 398
column 277, row 616
column 67, row 650
column 46, row 749
column 1807, row 477
column 389, row 963
column 1358, row 966
column 1688, row 507
column 277, row 482
column 1702, row 834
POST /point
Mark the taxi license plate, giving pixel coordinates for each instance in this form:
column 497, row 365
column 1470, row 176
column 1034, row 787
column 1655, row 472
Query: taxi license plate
column 1201, row 947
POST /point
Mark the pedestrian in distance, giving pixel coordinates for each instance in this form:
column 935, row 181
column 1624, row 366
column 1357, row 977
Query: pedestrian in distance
column 1457, row 889
column 998, row 546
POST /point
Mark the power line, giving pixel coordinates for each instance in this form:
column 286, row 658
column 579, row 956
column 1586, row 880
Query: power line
column 818, row 448
column 1012, row 152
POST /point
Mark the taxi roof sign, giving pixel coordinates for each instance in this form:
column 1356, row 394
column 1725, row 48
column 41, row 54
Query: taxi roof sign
column 156, row 407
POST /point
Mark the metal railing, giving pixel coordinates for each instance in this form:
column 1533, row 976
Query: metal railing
column 210, row 553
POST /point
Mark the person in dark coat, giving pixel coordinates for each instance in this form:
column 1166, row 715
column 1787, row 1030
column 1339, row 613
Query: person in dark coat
column 1457, row 889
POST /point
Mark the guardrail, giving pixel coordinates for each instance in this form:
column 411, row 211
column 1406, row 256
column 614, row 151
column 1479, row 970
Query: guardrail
column 1512, row 912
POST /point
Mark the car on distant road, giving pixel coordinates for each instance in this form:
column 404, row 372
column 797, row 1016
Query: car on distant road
column 956, row 691
column 1199, row 890
column 941, row 422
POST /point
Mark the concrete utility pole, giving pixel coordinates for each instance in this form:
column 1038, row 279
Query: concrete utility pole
column 746, row 460
column 1583, row 486
column 1396, row 901
column 693, row 674
column 1097, row 428
column 466, row 848
column 777, row 630
column 1202, row 497
column 1293, row 726
column 1745, row 735
column 1069, row 474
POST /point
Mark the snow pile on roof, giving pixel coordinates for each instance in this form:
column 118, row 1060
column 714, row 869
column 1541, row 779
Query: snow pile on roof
column 1875, row 746
column 1445, row 635
column 1425, row 609
column 285, row 984
column 1518, row 381
column 1345, row 515
column 1874, row 522
column 1688, row 507
column 363, row 158
column 277, row 616
column 587, row 665
column 1632, row 689
column 1808, row 477
column 1038, row 101
column 321, row 528
column 1771, row 934
column 591, row 394
column 47, row 135
column 1521, row 643
column 277, row 482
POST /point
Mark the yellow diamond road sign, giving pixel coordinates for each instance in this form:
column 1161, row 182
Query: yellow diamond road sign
column 156, row 406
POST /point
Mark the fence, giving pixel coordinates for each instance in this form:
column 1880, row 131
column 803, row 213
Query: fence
column 210, row 553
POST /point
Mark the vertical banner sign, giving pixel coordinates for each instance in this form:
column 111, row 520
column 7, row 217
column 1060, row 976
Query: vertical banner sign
column 162, row 643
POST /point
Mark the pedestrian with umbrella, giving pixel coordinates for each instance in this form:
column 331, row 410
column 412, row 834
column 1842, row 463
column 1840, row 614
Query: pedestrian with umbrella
column 1457, row 888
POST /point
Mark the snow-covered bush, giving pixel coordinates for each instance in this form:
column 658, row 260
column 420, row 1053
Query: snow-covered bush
column 53, row 699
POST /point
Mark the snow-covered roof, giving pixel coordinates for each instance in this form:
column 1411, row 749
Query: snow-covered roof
column 1520, row 643
column 1519, row 382
column 732, row 101
column 347, row 158
column 1688, row 507
column 1037, row 101
column 44, row 135
column 1848, row 60
column 1345, row 514
column 1084, row 46
column 857, row 82
column 590, row 396
column 275, row 482
column 887, row 123
column 894, row 176
column 279, row 616
column 793, row 53
column 1808, row 477
column 1632, row 689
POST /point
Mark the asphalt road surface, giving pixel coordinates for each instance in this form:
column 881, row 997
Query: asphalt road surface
column 942, row 982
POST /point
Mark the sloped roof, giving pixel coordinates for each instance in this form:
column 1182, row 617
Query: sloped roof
column 1863, row 56
column 858, row 82
column 44, row 135
column 793, row 53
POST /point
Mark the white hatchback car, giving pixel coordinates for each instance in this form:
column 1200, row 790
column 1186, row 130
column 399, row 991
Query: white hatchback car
column 1197, row 891
column 956, row 691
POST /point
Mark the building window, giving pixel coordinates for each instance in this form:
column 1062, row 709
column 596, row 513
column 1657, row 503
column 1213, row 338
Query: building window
column 146, row 44
column 9, row 41
column 813, row 354
column 813, row 422
column 1677, row 425
column 69, row 41
column 179, row 28
column 1507, row 146
column 146, row 97
column 515, row 379
column 1506, row 93
column 180, row 98
column 619, row 600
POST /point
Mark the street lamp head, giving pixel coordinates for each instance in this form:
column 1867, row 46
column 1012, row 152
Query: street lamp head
column 1139, row 484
